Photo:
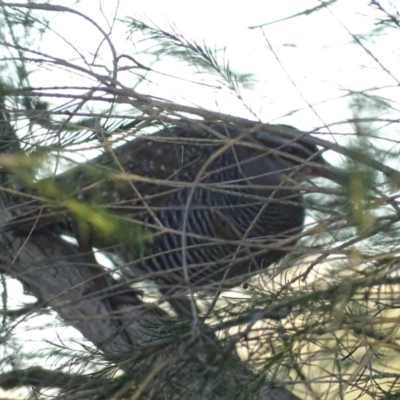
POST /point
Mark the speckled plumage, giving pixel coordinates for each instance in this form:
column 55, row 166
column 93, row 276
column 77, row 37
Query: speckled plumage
column 216, row 199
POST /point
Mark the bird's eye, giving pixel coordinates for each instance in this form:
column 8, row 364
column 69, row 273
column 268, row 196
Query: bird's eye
column 298, row 151
column 293, row 151
column 290, row 150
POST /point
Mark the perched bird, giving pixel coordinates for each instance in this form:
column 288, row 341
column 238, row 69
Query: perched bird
column 222, row 203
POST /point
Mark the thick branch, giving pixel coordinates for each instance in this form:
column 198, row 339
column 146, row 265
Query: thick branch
column 115, row 320
column 57, row 272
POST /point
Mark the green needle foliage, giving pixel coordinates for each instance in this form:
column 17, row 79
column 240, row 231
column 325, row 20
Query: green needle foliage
column 322, row 323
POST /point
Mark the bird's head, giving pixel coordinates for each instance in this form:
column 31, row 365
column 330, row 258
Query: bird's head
column 280, row 158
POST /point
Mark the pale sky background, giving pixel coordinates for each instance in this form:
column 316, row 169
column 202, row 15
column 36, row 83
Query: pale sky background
column 316, row 52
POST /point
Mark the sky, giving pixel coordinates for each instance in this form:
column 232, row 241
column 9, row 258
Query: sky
column 314, row 62
column 318, row 60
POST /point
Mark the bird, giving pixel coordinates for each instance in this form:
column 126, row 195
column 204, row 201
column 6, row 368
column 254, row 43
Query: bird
column 222, row 202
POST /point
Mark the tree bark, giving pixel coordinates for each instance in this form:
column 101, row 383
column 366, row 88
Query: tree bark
column 123, row 328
